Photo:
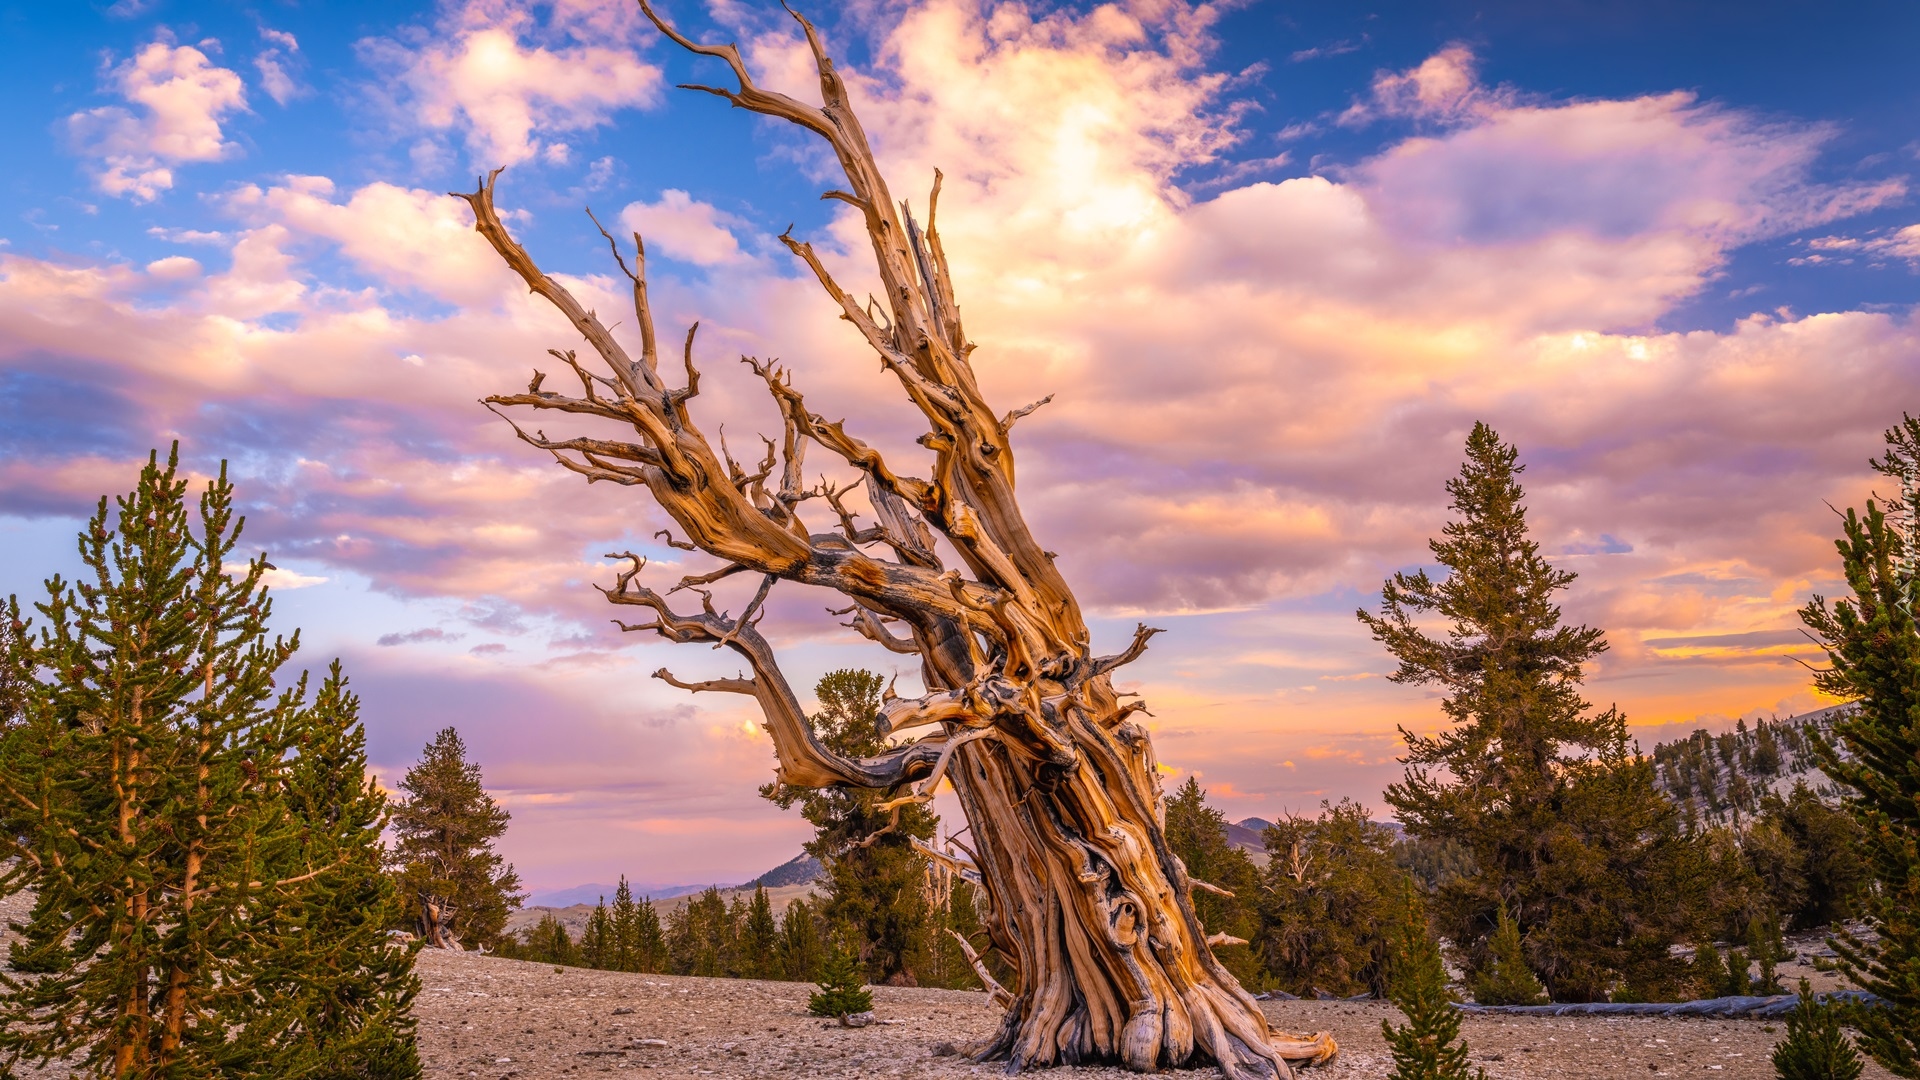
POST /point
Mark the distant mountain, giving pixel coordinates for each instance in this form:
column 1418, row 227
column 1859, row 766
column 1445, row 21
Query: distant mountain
column 1247, row 834
column 579, row 894
column 802, row 869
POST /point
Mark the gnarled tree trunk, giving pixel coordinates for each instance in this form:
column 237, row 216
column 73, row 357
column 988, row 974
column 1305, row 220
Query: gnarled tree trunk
column 1058, row 784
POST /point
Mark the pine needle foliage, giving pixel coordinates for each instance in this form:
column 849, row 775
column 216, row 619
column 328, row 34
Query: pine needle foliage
column 596, row 941
column 1506, row 979
column 760, row 939
column 1330, row 903
column 339, row 991
column 1709, row 971
column 842, row 991
column 1873, row 652
column 875, row 880
column 458, row 887
column 1427, row 1046
column 203, row 842
column 1197, row 833
column 1558, row 815
column 1816, row 1046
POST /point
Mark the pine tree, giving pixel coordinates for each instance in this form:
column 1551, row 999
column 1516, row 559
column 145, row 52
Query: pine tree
column 760, row 938
column 449, row 873
column 153, row 778
column 1506, row 979
column 1873, row 648
column 1815, row 1047
column 1708, row 970
column 1739, row 974
column 874, row 876
column 597, row 946
column 700, row 936
column 802, row 949
column 1561, row 819
column 1767, row 948
column 338, row 990
column 1426, row 1047
column 649, row 940
column 1331, row 903
column 842, row 991
column 624, row 925
column 548, row 942
column 1197, row 833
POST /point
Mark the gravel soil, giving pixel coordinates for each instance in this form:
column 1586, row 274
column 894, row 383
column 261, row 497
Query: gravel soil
column 481, row 1016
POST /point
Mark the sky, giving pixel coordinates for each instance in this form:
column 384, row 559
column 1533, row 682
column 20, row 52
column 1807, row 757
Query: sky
column 1273, row 259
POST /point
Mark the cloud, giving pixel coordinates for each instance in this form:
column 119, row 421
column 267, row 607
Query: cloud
column 277, row 64
column 404, row 237
column 686, row 228
column 1261, row 392
column 278, row 577
column 507, row 81
column 1444, row 88
column 414, row 637
column 182, row 97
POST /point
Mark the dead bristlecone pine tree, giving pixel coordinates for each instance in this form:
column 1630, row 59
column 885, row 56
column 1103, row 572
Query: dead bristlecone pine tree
column 1084, row 899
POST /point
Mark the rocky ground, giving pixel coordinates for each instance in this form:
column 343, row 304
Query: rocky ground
column 482, row 1016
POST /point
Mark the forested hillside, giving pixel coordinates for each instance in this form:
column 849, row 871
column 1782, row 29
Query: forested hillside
column 1721, row 779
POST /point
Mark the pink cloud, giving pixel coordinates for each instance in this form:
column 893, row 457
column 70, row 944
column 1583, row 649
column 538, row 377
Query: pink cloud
column 182, row 97
column 1260, row 395
column 481, row 76
column 686, row 228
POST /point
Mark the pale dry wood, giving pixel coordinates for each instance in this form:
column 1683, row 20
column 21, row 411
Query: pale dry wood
column 1058, row 783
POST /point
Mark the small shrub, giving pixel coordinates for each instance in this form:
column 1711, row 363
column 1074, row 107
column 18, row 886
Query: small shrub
column 842, row 991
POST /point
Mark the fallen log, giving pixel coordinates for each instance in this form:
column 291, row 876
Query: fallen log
column 1722, row 1008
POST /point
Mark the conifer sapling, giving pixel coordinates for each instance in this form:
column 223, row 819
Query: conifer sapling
column 1427, row 1046
column 842, row 991
column 1815, row 1047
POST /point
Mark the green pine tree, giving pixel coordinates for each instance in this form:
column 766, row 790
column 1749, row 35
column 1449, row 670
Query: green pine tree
column 152, row 781
column 1427, row 1046
column 877, row 888
column 1767, row 947
column 1197, row 833
column 625, row 928
column 1506, row 979
column 1558, row 815
column 1873, row 648
column 597, row 946
column 1739, row 974
column 1816, row 1048
column 1708, row 970
column 453, row 881
column 649, row 940
column 1331, row 903
column 842, row 991
column 547, row 942
column 338, row 989
column 802, row 947
column 700, row 936
column 760, row 938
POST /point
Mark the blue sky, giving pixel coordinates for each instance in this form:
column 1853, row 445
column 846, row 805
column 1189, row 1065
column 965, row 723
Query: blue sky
column 1275, row 258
